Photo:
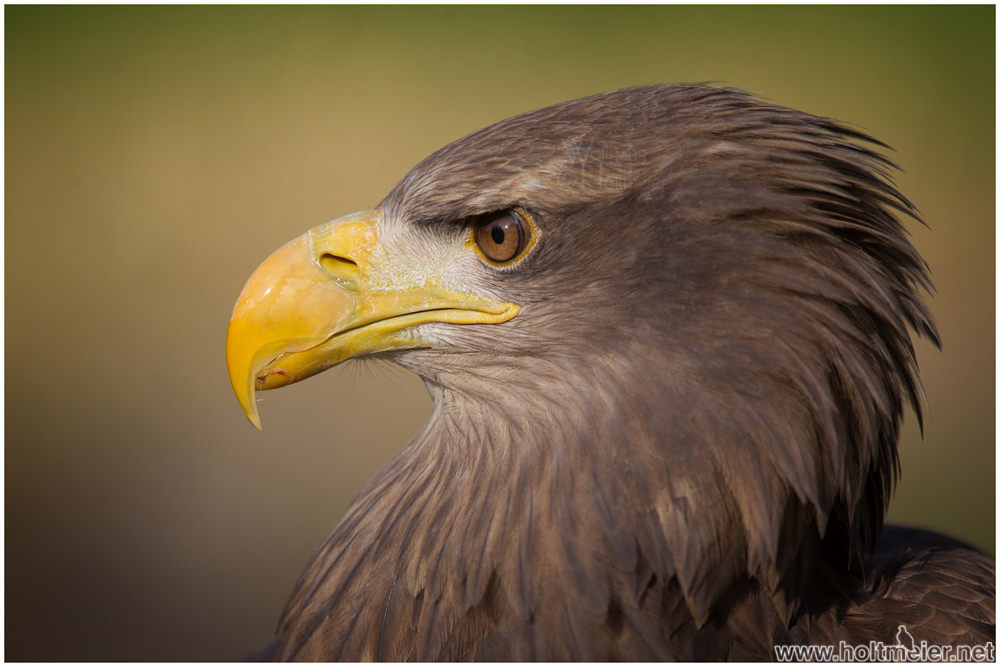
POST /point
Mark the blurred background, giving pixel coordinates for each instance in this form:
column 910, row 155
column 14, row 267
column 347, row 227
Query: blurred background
column 155, row 156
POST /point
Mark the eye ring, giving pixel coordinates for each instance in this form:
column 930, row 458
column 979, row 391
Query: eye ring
column 502, row 236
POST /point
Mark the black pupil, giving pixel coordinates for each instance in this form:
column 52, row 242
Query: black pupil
column 497, row 234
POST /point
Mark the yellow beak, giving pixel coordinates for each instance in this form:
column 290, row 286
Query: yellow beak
column 313, row 304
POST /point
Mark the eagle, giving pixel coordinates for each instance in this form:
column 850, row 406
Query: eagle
column 666, row 331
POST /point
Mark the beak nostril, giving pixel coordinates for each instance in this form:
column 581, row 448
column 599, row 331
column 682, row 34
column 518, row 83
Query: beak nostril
column 341, row 269
column 331, row 258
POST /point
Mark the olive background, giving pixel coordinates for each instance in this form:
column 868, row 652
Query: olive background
column 155, row 155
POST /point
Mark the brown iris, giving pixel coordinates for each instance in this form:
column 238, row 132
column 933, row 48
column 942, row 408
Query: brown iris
column 501, row 236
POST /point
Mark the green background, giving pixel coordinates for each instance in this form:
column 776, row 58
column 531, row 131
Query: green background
column 154, row 156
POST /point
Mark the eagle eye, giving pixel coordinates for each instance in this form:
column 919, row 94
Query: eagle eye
column 503, row 235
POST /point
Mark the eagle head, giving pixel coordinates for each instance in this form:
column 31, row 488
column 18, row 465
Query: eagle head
column 667, row 324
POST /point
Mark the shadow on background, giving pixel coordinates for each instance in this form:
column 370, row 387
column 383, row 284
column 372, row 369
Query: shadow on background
column 154, row 156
